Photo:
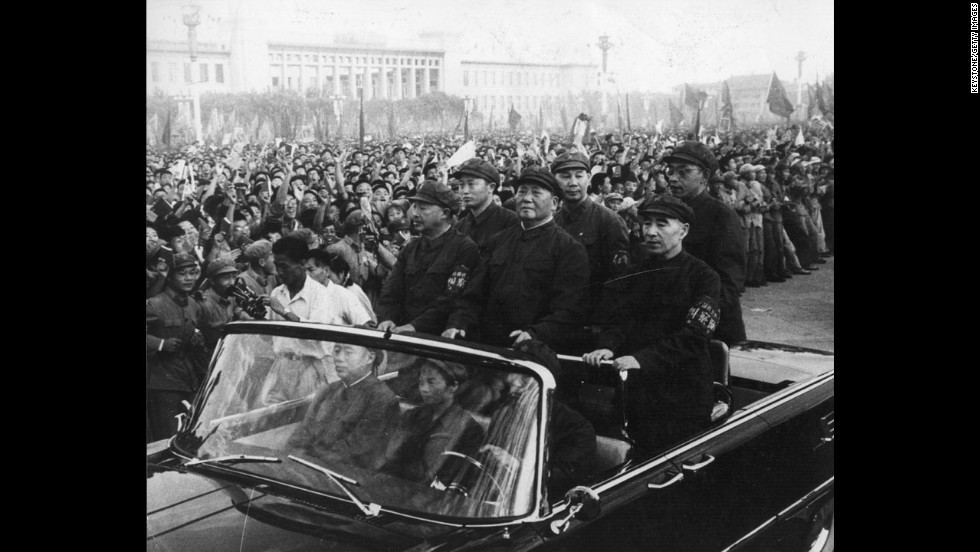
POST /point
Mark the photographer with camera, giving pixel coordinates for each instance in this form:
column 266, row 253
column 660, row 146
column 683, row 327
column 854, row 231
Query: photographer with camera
column 218, row 305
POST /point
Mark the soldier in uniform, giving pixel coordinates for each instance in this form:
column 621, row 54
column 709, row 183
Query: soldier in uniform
column 716, row 235
column 598, row 228
column 431, row 271
column 657, row 321
column 531, row 281
column 484, row 217
column 218, row 308
column 173, row 344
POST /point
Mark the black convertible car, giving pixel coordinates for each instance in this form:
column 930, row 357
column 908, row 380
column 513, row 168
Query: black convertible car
column 761, row 477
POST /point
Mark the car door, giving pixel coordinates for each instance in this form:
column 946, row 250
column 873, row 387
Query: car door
column 739, row 478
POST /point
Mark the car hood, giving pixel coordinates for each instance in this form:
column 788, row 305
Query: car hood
column 190, row 511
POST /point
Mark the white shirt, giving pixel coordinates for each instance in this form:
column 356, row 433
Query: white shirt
column 320, row 304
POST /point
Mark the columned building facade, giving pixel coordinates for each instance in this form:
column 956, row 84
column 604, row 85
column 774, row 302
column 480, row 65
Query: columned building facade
column 343, row 70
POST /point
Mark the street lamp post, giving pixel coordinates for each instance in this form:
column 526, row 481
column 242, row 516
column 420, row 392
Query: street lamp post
column 192, row 18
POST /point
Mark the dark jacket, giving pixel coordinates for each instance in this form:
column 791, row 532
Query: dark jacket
column 426, row 279
column 530, row 280
column 717, row 238
column 216, row 311
column 168, row 316
column 415, row 450
column 350, row 424
column 664, row 313
column 493, row 219
column 604, row 235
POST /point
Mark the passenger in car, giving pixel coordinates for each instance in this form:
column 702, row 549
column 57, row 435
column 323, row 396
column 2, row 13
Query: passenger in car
column 657, row 322
column 572, row 451
column 349, row 420
column 439, row 425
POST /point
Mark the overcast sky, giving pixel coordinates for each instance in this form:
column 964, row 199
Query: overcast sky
column 657, row 44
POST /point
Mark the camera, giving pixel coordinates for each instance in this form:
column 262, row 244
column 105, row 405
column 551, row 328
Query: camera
column 251, row 303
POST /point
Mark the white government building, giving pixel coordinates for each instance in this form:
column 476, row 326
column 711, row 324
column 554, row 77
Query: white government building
column 239, row 50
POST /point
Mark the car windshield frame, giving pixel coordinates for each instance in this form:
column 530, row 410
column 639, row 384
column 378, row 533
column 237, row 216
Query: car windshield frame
column 493, row 358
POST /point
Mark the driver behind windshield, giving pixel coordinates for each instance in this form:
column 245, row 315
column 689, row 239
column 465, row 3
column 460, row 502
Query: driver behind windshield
column 439, row 425
column 349, row 420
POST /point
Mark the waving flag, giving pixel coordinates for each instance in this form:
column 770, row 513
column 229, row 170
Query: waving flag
column 777, row 100
column 513, row 118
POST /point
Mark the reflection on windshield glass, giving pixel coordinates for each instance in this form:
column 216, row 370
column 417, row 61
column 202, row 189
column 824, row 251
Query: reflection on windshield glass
column 415, row 433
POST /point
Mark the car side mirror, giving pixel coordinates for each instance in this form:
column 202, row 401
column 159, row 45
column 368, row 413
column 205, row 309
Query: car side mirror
column 583, row 504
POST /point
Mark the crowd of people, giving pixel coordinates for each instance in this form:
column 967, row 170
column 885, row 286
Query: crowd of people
column 629, row 247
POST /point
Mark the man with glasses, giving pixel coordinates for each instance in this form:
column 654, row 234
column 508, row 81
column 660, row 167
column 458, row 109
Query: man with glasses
column 716, row 236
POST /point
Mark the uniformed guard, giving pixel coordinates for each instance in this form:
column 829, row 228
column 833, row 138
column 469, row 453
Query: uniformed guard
column 218, row 307
column 716, row 236
column 531, row 281
column 598, row 228
column 430, row 271
column 172, row 344
column 657, row 321
column 483, row 218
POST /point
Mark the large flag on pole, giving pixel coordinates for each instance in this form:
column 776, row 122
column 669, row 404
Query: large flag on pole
column 828, row 98
column 818, row 96
column 513, row 118
column 778, row 101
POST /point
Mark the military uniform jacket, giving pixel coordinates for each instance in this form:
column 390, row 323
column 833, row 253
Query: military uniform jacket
column 531, row 280
column 604, row 235
column 168, row 316
column 480, row 227
column 664, row 313
column 426, row 279
column 717, row 238
column 216, row 311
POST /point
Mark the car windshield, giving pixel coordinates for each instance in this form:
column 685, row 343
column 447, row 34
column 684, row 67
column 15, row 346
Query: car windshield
column 439, row 434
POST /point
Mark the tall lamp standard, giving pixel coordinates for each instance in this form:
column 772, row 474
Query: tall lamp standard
column 192, row 18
